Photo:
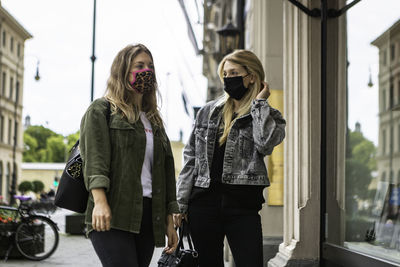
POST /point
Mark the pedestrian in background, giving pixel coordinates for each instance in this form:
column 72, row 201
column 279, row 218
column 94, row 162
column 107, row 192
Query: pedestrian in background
column 128, row 165
column 220, row 187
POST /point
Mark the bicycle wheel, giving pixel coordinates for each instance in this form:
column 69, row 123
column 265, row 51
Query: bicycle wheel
column 37, row 238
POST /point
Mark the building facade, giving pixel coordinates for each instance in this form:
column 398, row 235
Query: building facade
column 12, row 39
column 389, row 104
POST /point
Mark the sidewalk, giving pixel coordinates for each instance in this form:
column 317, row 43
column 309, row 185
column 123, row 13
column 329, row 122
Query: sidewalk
column 72, row 250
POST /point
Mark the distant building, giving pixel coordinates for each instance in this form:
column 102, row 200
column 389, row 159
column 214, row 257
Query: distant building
column 42, row 171
column 177, row 151
column 12, row 39
column 388, row 158
column 27, row 122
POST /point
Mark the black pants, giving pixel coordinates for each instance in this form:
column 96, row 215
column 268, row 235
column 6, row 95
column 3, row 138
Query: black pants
column 117, row 248
column 242, row 228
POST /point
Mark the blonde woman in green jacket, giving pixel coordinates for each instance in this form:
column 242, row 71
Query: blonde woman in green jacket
column 128, row 165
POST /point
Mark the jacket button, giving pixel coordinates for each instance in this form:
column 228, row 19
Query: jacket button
column 158, row 191
column 158, row 218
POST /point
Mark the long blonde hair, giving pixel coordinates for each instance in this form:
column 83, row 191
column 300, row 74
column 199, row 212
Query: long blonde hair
column 252, row 64
column 120, row 93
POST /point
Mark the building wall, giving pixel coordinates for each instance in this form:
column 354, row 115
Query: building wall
column 177, row 151
column 388, row 154
column 12, row 38
column 45, row 175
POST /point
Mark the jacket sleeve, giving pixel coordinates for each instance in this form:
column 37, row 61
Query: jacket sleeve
column 172, row 206
column 95, row 147
column 268, row 126
column 187, row 175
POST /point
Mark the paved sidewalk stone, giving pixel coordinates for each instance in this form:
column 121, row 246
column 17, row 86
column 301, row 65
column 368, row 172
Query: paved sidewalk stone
column 73, row 250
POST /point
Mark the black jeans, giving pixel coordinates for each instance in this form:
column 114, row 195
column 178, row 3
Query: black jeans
column 242, row 228
column 117, row 248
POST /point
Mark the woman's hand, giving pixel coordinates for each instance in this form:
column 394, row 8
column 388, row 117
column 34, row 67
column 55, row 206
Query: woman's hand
column 171, row 235
column 264, row 93
column 101, row 215
column 178, row 218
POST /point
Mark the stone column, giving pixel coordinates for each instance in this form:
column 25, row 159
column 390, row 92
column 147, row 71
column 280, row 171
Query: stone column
column 302, row 74
column 264, row 36
column 301, row 53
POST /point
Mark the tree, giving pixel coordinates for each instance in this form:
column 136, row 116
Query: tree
column 72, row 138
column 44, row 145
column 35, row 143
column 30, row 149
column 55, row 150
column 360, row 163
column 41, row 134
column 25, row 186
column 38, row 186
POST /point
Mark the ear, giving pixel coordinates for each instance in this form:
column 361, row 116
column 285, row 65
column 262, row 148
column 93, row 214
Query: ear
column 252, row 78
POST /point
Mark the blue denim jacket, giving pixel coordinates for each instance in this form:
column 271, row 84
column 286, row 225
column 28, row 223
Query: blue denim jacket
column 252, row 137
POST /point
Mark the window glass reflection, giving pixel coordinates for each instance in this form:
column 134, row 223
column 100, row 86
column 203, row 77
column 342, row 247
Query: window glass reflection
column 372, row 187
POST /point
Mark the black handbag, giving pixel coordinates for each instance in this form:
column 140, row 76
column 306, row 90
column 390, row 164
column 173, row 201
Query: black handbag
column 71, row 192
column 181, row 257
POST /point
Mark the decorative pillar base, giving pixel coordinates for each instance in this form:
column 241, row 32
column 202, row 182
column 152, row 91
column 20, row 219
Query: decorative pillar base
column 283, row 260
column 270, row 247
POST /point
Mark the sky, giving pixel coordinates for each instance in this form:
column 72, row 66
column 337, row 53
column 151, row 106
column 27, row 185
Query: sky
column 367, row 20
column 62, row 42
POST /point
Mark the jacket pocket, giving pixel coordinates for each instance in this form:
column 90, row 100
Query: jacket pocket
column 246, row 144
column 201, row 142
column 122, row 133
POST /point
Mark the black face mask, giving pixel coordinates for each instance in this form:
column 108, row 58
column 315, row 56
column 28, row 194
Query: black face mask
column 234, row 87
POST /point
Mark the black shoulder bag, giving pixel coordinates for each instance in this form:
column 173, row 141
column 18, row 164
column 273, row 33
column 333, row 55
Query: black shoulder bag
column 71, row 192
column 181, row 257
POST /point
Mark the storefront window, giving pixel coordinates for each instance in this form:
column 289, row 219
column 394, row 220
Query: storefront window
column 372, row 164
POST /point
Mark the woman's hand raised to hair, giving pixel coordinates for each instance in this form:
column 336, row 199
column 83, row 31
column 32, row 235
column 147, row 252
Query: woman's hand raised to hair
column 265, row 92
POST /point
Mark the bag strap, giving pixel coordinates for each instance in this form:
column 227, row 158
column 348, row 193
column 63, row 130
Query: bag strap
column 108, row 112
column 184, row 226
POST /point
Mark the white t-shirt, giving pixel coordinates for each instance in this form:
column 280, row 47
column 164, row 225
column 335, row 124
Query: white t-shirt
column 147, row 167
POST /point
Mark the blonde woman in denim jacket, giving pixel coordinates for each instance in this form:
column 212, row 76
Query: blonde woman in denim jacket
column 220, row 188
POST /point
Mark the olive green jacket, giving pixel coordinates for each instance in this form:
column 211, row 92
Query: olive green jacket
column 113, row 154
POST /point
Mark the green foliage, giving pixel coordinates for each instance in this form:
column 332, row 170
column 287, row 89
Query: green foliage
column 25, row 186
column 41, row 134
column 72, row 138
column 38, row 186
column 360, row 163
column 43, row 145
column 31, row 148
column 55, row 149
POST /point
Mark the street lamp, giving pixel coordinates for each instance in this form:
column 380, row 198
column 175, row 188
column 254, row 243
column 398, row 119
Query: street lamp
column 93, row 57
column 370, row 83
column 229, row 37
column 37, row 76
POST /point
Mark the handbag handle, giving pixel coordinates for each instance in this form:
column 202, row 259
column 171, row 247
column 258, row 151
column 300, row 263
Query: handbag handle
column 184, row 226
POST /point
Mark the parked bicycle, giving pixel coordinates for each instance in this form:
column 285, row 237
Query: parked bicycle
column 35, row 236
